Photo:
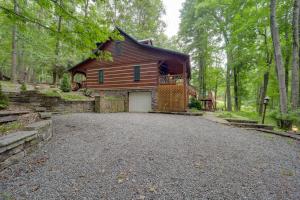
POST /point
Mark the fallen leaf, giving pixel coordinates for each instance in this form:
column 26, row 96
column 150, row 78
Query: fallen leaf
column 122, row 177
column 152, row 188
column 35, row 188
column 141, row 197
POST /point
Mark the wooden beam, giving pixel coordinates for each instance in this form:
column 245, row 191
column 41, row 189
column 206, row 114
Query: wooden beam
column 184, row 86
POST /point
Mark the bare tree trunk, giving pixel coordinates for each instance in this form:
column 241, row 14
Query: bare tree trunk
column 86, row 7
column 264, row 88
column 14, row 47
column 228, row 92
column 216, row 93
column 57, row 49
column 278, row 57
column 235, row 86
column 288, row 49
column 295, row 66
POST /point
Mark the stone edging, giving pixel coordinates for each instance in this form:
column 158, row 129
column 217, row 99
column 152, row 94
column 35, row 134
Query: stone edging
column 282, row 134
column 15, row 146
column 178, row 113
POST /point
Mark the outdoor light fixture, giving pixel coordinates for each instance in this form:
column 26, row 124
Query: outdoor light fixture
column 266, row 101
column 295, row 129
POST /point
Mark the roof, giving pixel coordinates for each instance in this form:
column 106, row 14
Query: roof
column 152, row 47
column 142, row 44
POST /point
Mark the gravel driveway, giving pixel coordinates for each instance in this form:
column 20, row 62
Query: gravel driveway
column 153, row 156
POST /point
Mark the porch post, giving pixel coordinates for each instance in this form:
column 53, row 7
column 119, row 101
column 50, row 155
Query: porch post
column 72, row 77
column 184, row 87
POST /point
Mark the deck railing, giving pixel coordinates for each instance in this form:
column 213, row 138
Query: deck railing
column 171, row 79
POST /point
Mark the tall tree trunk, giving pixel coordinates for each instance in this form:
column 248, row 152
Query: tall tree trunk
column 57, row 49
column 86, row 7
column 216, row 93
column 228, row 90
column 295, row 66
column 235, row 85
column 14, row 47
column 287, row 56
column 264, row 88
column 278, row 57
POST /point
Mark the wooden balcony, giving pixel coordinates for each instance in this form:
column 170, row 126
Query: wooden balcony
column 176, row 79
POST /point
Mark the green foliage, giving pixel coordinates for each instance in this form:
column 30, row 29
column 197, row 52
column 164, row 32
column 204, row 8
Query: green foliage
column 6, row 128
column 195, row 103
column 291, row 116
column 68, row 96
column 87, row 92
column 43, row 47
column 65, row 85
column 4, row 101
column 23, row 87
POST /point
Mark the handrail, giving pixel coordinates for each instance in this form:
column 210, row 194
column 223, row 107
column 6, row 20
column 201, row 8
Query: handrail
column 171, row 79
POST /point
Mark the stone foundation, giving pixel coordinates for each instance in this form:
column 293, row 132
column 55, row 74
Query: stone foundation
column 124, row 95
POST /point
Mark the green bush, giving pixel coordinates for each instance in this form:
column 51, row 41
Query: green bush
column 195, row 103
column 4, row 101
column 291, row 116
column 65, row 85
column 23, row 87
column 87, row 92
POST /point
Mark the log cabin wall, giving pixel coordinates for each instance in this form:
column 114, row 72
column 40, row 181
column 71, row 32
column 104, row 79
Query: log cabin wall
column 119, row 73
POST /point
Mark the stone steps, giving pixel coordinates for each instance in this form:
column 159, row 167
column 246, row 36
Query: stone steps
column 178, row 113
column 241, row 121
column 251, row 125
column 7, row 119
column 9, row 113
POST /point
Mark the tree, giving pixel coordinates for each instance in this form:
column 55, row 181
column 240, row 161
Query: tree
column 14, row 46
column 65, row 84
column 278, row 57
column 295, row 64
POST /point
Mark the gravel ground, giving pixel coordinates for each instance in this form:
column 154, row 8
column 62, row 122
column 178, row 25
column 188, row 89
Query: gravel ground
column 153, row 156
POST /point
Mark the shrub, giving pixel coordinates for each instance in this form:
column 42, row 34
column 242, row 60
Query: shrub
column 23, row 87
column 65, row 84
column 87, row 92
column 4, row 102
column 195, row 103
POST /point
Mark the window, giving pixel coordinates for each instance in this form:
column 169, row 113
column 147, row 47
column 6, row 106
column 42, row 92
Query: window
column 137, row 73
column 100, row 76
column 118, row 48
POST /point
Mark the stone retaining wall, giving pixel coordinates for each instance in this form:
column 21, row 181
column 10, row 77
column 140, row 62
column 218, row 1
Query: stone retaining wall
column 56, row 104
column 15, row 146
column 53, row 104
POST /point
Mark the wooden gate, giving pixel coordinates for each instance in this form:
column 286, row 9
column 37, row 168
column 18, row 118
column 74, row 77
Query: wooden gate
column 171, row 98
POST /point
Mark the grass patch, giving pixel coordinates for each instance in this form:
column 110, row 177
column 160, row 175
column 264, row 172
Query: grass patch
column 73, row 96
column 6, row 128
column 247, row 115
column 194, row 110
column 68, row 96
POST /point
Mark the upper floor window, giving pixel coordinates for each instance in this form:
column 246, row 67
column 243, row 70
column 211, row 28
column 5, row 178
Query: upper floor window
column 100, row 76
column 137, row 73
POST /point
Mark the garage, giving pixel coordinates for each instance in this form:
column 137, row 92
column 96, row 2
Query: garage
column 140, row 101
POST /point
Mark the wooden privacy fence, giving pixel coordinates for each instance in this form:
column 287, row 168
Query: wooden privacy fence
column 171, row 98
column 109, row 104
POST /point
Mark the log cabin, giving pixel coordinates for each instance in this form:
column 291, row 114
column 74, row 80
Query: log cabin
column 148, row 78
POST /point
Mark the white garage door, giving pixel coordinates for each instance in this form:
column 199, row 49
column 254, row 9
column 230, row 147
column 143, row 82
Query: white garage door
column 139, row 101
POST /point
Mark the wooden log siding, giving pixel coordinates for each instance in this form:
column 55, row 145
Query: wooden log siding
column 123, row 76
column 119, row 73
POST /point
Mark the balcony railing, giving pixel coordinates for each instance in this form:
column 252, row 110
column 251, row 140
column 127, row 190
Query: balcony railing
column 171, row 79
